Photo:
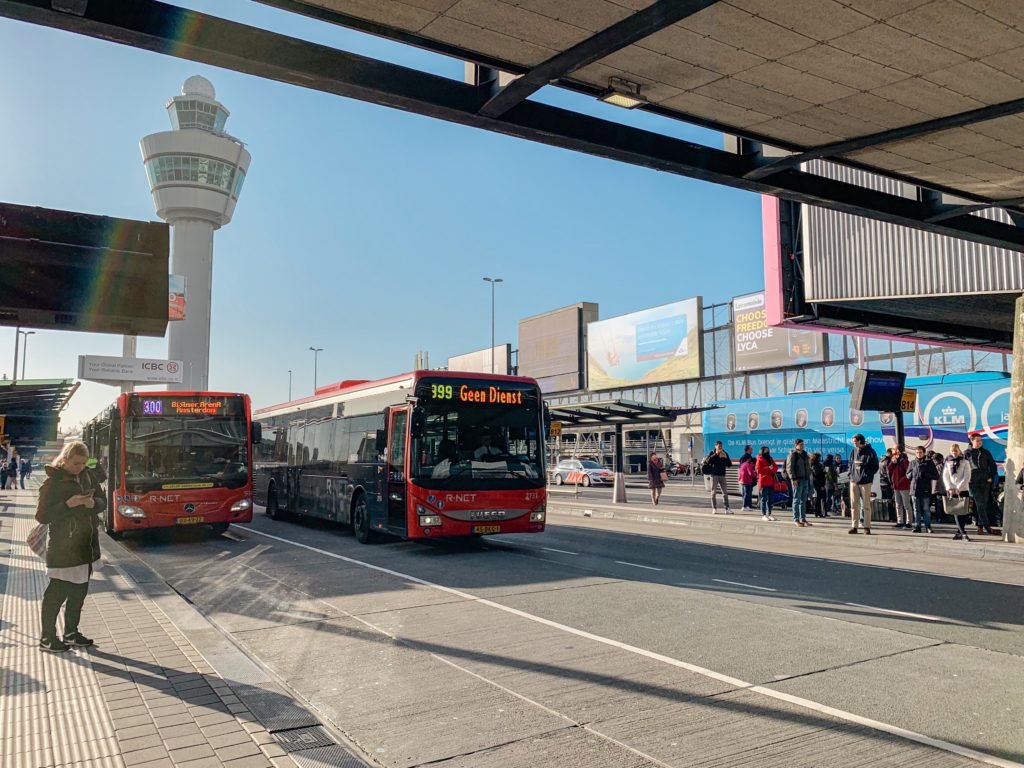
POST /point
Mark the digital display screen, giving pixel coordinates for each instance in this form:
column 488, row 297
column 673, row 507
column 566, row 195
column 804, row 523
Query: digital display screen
column 183, row 405
column 475, row 393
column 877, row 390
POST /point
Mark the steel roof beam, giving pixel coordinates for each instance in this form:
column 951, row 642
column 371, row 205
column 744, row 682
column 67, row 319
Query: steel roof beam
column 155, row 26
column 947, row 212
column 847, row 146
column 633, row 28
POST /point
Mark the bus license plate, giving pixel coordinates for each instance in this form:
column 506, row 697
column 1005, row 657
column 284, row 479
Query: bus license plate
column 189, row 520
column 486, row 529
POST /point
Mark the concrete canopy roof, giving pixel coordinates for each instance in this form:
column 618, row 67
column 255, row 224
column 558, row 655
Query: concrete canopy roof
column 801, row 74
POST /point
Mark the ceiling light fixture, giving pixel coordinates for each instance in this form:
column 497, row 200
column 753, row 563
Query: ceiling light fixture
column 623, row 93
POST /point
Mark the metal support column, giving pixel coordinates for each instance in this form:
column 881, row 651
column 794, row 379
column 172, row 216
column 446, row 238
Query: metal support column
column 619, row 491
column 1013, row 505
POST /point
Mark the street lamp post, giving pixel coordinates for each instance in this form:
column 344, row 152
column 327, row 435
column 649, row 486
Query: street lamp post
column 316, row 353
column 290, row 385
column 493, row 281
column 24, row 352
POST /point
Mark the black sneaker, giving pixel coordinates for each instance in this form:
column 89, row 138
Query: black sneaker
column 52, row 645
column 78, row 640
column 917, row 530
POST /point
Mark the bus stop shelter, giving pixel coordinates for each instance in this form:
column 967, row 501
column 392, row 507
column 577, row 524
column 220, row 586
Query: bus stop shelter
column 620, row 414
column 30, row 410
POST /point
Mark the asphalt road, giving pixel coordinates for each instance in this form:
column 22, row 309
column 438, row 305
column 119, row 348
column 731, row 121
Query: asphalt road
column 610, row 643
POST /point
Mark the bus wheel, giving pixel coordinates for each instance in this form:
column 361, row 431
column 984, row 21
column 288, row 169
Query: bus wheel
column 273, row 511
column 219, row 528
column 361, row 519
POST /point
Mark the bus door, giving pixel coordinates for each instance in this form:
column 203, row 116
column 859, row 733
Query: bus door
column 396, row 470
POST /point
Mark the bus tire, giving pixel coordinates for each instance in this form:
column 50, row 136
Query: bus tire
column 219, row 528
column 361, row 519
column 273, row 511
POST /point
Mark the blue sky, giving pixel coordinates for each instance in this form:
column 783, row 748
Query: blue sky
column 361, row 229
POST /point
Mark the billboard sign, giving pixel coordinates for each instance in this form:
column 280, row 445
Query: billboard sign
column 111, row 370
column 175, row 297
column 645, row 347
column 759, row 345
column 480, row 361
column 552, row 345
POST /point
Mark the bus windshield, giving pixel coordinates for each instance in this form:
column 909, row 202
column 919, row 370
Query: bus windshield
column 198, row 451
column 478, row 437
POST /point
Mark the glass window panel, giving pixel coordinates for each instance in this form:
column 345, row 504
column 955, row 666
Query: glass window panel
column 723, row 352
column 756, row 385
column 709, row 354
column 776, row 385
column 723, row 389
column 988, row 361
column 958, row 361
column 794, row 380
column 835, row 347
column 814, row 378
column 835, row 377
column 877, row 348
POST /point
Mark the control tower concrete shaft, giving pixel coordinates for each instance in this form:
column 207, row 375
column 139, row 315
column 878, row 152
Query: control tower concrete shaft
column 196, row 171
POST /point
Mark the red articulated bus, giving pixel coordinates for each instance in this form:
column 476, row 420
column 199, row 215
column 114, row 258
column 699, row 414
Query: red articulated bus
column 175, row 458
column 426, row 454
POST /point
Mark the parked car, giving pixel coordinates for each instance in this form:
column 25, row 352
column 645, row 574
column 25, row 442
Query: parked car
column 584, row 472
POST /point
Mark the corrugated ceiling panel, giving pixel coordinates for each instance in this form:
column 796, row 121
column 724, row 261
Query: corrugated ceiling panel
column 849, row 257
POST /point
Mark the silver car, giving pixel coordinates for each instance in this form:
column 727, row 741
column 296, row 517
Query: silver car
column 582, row 471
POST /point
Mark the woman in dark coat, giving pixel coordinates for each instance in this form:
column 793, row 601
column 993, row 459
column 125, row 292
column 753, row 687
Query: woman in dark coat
column 71, row 502
column 654, row 479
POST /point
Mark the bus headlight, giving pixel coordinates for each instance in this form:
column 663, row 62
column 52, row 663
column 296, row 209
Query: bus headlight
column 427, row 517
column 537, row 516
column 129, row 511
column 241, row 505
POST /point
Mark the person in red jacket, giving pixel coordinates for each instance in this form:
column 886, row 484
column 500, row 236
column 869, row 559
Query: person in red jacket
column 897, row 468
column 766, row 470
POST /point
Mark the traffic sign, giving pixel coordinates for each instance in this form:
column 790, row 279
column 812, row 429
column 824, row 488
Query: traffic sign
column 908, row 402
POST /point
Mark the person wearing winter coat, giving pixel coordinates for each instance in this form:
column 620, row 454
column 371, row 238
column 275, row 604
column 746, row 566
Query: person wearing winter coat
column 922, row 474
column 748, row 479
column 71, row 503
column 818, row 485
column 714, row 465
column 898, row 467
column 956, row 477
column 983, row 474
column 766, row 469
column 863, row 468
column 798, row 467
column 654, row 479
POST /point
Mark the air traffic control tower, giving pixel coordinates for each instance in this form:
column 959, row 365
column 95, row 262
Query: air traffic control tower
column 195, row 173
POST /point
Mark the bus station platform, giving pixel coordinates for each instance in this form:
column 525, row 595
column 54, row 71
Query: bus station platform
column 690, row 506
column 162, row 686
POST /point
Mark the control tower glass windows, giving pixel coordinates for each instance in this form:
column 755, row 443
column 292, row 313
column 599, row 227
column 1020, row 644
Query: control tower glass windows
column 193, row 113
column 170, row 169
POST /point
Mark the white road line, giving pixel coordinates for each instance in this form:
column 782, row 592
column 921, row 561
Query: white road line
column 561, row 551
column 637, row 565
column 748, row 586
column 924, row 616
column 814, row 706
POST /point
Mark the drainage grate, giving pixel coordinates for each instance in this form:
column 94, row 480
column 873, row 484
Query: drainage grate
column 303, row 738
column 274, row 708
column 335, row 756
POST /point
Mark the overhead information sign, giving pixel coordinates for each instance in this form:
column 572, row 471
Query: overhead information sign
column 136, row 369
column 759, row 345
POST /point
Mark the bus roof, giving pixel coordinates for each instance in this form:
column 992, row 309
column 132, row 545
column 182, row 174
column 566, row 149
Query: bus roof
column 330, row 393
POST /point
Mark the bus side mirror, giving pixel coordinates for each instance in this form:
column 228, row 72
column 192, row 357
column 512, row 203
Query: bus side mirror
column 381, row 439
column 547, row 420
column 257, row 433
column 417, row 424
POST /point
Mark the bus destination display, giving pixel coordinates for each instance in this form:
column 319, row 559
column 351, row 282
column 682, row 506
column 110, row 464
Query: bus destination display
column 183, row 405
column 475, row 393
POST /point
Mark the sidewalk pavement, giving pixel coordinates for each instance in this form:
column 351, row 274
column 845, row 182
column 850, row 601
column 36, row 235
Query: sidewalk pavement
column 161, row 687
column 832, row 529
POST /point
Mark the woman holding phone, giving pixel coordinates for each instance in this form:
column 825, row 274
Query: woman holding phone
column 71, row 503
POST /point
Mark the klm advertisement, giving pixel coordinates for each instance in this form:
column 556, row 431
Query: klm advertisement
column 646, row 347
column 949, row 409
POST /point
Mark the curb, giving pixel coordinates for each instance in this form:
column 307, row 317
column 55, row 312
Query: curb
column 701, row 521
column 308, row 740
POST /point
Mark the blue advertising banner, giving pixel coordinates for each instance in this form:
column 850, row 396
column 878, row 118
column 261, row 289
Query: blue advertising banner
column 949, row 410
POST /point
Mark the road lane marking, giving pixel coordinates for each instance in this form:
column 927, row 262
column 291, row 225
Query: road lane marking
column 924, row 616
column 562, row 551
column 771, row 693
column 748, row 586
column 637, row 565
